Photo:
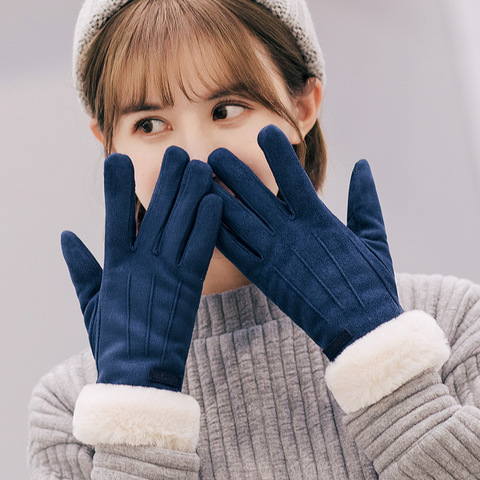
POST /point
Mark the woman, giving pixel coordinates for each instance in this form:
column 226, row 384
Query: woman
column 178, row 92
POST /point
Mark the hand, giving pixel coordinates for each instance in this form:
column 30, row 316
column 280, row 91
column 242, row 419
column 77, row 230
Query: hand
column 140, row 311
column 335, row 281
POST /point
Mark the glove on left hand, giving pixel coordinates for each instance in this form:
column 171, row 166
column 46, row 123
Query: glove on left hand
column 141, row 310
column 335, row 282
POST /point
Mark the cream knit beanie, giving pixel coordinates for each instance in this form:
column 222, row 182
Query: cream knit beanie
column 293, row 13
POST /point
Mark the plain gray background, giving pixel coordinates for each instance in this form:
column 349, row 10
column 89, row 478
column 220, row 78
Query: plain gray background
column 402, row 91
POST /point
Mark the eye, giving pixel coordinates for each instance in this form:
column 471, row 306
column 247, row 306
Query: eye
column 227, row 112
column 150, row 125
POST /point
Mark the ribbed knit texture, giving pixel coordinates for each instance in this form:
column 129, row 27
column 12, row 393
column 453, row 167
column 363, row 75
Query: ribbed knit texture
column 267, row 413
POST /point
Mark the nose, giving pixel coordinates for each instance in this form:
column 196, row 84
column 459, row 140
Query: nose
column 198, row 142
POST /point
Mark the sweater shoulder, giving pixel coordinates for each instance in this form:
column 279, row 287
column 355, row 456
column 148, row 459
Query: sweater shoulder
column 453, row 302
column 64, row 382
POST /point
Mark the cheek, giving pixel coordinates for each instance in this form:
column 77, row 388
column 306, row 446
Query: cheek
column 263, row 172
column 256, row 161
column 146, row 163
column 146, row 175
column 253, row 155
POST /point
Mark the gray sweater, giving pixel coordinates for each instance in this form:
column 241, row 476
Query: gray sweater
column 266, row 411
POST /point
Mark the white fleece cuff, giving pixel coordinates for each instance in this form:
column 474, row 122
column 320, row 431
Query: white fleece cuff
column 122, row 414
column 386, row 358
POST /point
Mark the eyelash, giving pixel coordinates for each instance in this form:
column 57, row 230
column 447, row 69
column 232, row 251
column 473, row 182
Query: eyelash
column 138, row 124
column 230, row 104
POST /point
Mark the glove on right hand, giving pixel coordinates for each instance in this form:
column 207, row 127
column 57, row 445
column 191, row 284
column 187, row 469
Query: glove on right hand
column 335, row 281
column 141, row 310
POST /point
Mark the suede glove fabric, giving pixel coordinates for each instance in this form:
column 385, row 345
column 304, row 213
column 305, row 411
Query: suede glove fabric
column 140, row 311
column 335, row 281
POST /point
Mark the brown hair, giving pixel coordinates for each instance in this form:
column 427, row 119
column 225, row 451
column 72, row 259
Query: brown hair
column 118, row 69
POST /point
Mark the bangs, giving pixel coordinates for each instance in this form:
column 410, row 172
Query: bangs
column 226, row 47
column 149, row 56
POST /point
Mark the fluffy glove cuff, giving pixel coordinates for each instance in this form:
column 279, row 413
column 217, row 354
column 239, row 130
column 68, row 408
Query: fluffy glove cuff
column 126, row 415
column 386, row 358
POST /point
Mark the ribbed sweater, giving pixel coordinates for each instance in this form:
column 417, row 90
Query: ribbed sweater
column 266, row 411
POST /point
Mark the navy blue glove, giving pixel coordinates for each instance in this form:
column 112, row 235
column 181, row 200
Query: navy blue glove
column 335, row 281
column 140, row 311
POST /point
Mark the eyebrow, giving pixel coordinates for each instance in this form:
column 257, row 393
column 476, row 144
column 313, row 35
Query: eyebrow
column 237, row 89
column 142, row 107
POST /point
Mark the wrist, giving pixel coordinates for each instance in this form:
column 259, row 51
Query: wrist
column 143, row 372
column 386, row 358
column 136, row 416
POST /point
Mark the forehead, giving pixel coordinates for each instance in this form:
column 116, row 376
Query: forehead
column 203, row 67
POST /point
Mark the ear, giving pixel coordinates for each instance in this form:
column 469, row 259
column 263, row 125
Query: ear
column 96, row 130
column 308, row 105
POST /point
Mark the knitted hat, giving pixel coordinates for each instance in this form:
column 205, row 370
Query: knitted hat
column 293, row 13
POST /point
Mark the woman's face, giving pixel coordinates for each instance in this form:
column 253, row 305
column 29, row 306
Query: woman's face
column 199, row 125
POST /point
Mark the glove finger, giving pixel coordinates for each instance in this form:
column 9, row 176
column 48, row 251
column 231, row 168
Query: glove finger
column 364, row 214
column 166, row 190
column 243, row 223
column 238, row 253
column 201, row 242
column 241, row 180
column 292, row 180
column 85, row 272
column 119, row 206
column 196, row 183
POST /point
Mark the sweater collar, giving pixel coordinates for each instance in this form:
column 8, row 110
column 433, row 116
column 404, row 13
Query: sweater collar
column 234, row 310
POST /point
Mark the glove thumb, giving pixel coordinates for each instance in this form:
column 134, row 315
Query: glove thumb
column 85, row 272
column 364, row 215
